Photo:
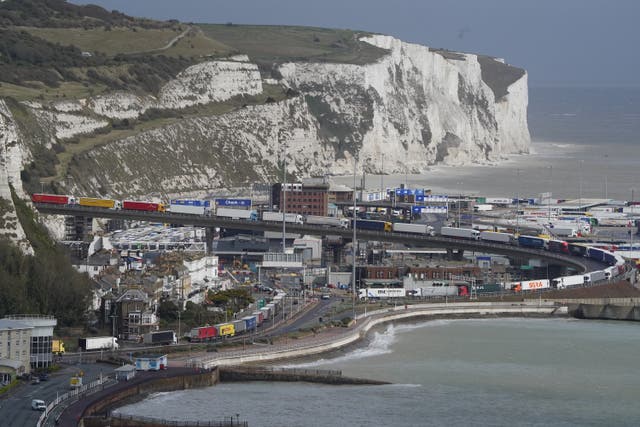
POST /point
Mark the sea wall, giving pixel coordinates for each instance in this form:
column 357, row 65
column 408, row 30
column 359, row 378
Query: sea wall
column 140, row 386
column 605, row 311
column 379, row 317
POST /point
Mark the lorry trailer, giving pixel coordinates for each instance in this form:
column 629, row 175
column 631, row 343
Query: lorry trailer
column 277, row 217
column 403, row 227
column 192, row 207
column 98, row 343
column 328, row 221
column 463, row 233
column 99, row 203
column 160, row 337
column 234, row 213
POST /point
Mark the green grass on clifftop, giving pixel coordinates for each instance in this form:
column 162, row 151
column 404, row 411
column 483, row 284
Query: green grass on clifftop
column 265, row 43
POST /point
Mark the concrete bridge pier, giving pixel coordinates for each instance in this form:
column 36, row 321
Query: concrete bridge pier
column 209, row 234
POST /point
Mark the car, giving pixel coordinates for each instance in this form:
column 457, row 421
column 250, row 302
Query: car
column 326, row 296
column 44, row 377
column 35, row 380
column 38, row 405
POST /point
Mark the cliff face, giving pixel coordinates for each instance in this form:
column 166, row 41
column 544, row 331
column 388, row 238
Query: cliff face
column 413, row 108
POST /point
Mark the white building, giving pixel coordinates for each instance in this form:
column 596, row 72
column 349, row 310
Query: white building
column 15, row 349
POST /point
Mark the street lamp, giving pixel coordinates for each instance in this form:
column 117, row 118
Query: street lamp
column 581, row 164
column 550, row 193
column 353, row 272
column 284, row 200
column 517, row 201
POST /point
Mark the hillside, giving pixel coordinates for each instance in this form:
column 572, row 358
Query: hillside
column 98, row 103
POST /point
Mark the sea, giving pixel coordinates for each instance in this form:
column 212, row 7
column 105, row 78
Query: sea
column 497, row 372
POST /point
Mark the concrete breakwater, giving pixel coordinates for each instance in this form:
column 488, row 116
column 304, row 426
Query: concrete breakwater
column 605, row 311
column 365, row 323
column 244, row 373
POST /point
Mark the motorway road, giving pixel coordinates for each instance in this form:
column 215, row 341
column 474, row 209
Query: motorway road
column 15, row 409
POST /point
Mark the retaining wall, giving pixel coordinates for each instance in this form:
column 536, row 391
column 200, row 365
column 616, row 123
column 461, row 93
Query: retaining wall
column 605, row 311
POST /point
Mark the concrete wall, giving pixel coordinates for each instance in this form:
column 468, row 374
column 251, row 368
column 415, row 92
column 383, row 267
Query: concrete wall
column 605, row 311
column 151, row 385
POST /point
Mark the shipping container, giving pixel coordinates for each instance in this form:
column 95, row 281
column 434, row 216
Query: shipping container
column 99, row 203
column 56, row 199
column 142, row 206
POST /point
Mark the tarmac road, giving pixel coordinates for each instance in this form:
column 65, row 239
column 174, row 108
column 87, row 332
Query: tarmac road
column 15, row 409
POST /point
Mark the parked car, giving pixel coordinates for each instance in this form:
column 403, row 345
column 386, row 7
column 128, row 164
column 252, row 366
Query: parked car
column 35, row 380
column 44, row 377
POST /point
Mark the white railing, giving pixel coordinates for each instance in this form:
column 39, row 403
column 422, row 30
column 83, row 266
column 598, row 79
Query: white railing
column 71, row 395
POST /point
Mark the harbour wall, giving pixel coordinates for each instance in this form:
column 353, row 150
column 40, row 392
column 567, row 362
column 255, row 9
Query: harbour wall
column 378, row 317
column 102, row 402
column 605, row 311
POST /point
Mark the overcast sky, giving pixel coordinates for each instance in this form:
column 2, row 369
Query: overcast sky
column 559, row 42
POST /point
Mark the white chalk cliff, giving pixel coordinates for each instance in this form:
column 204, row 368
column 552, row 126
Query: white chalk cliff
column 413, row 107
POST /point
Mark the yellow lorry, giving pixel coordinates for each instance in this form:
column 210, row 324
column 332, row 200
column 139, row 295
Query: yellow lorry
column 57, row 347
column 99, row 203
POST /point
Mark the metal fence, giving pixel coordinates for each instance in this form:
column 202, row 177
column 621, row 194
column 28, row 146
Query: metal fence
column 73, row 394
column 226, row 422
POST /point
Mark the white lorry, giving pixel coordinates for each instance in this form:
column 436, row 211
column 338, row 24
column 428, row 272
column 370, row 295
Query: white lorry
column 98, row 343
column 493, row 236
column 233, row 213
column 404, row 227
column 329, row 221
column 464, row 233
column 277, row 217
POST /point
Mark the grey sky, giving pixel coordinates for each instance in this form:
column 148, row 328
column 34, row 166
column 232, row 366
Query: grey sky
column 559, row 42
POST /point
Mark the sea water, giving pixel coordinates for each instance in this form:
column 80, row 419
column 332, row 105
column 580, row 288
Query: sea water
column 501, row 372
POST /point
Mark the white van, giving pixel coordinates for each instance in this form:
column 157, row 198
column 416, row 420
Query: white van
column 38, row 405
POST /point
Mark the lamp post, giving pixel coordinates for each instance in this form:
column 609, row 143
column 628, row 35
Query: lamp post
column 550, row 193
column 632, row 208
column 581, row 164
column 284, row 200
column 353, row 272
column 517, row 201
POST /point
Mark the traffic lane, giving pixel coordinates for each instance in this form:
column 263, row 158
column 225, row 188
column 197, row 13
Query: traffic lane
column 309, row 318
column 16, row 409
